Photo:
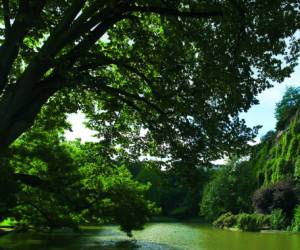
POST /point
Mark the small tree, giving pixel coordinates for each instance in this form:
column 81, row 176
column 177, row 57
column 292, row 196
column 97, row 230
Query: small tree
column 277, row 196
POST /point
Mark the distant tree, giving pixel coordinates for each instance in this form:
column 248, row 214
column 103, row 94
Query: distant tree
column 270, row 134
column 230, row 190
column 287, row 107
column 153, row 175
column 175, row 190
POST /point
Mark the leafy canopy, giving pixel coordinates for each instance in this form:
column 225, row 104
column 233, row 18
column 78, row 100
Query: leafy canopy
column 177, row 67
column 63, row 184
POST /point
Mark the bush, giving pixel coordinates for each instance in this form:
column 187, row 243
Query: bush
column 277, row 196
column 296, row 219
column 225, row 221
column 277, row 219
column 251, row 222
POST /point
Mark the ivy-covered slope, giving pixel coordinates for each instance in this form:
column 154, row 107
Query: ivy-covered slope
column 277, row 157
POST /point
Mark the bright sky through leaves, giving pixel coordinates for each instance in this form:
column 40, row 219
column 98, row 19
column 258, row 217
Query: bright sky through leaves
column 262, row 114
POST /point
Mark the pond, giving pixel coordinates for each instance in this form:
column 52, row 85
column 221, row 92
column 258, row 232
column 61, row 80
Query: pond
column 156, row 236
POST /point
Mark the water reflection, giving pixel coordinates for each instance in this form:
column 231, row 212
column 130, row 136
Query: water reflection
column 156, row 236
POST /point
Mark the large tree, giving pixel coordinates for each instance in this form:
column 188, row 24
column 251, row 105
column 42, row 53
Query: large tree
column 52, row 183
column 176, row 66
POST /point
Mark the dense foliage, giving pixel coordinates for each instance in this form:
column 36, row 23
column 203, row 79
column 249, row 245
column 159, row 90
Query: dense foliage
column 226, row 220
column 230, row 190
column 243, row 221
column 176, row 191
column 296, row 220
column 251, row 222
column 287, row 107
column 274, row 165
column 278, row 219
column 277, row 156
column 277, row 196
column 115, row 56
column 64, row 184
column 156, row 78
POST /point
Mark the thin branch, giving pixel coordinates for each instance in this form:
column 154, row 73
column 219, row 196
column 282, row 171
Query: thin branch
column 65, row 31
column 33, row 181
column 43, row 213
column 135, row 97
column 97, row 14
column 81, row 49
column 100, row 60
column 139, row 74
column 70, row 15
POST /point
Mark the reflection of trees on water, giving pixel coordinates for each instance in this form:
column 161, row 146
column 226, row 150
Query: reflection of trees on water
column 134, row 244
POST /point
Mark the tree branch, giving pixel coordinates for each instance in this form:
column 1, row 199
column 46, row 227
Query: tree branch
column 26, row 17
column 133, row 96
column 81, row 49
column 99, row 60
column 123, row 99
column 173, row 12
column 33, row 181
column 64, row 32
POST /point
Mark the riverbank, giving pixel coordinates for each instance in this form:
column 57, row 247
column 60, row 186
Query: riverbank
column 176, row 220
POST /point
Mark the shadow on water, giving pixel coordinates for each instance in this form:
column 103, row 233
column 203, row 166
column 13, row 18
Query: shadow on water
column 104, row 245
column 90, row 239
column 156, row 236
column 134, row 245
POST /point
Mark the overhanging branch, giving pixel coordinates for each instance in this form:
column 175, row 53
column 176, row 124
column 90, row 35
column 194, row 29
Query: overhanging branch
column 134, row 97
column 24, row 20
column 99, row 60
column 173, row 12
column 33, row 181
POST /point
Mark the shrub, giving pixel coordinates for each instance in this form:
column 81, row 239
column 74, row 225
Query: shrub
column 225, row 221
column 296, row 219
column 277, row 219
column 277, row 196
column 251, row 222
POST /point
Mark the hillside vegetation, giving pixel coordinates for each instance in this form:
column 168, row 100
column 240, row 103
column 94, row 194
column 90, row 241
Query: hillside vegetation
column 263, row 191
column 277, row 157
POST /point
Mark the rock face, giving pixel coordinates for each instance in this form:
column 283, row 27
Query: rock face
column 278, row 156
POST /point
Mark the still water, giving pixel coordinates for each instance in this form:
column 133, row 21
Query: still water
column 156, row 236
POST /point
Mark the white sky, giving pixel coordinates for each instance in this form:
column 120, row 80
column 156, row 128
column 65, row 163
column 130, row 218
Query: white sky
column 79, row 130
column 261, row 114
